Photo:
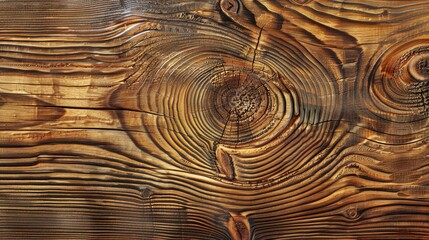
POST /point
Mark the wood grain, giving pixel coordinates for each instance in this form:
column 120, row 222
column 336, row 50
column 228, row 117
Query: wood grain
column 230, row 119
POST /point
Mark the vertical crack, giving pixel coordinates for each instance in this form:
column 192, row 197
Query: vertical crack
column 256, row 48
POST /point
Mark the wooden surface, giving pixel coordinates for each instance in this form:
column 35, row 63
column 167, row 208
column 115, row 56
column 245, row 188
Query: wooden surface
column 230, row 119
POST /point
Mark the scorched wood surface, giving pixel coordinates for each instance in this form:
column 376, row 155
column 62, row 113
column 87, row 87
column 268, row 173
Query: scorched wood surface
column 231, row 119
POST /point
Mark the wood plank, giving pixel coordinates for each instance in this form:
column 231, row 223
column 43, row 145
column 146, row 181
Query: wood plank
column 218, row 119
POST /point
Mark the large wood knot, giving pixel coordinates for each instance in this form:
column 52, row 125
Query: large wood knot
column 397, row 89
column 240, row 102
column 241, row 98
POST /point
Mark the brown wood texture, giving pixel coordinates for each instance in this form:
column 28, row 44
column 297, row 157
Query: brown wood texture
column 230, row 119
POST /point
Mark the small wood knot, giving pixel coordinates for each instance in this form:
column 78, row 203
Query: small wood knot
column 230, row 6
column 352, row 212
column 239, row 227
column 146, row 192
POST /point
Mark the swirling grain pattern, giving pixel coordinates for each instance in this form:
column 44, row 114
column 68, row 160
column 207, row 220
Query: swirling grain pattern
column 218, row 119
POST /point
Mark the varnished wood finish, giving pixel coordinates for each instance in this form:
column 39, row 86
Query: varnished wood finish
column 230, row 119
